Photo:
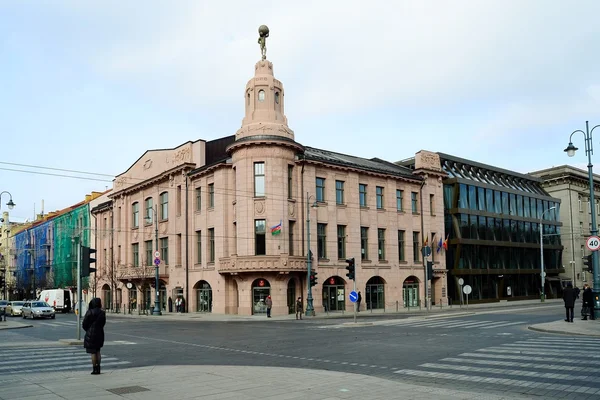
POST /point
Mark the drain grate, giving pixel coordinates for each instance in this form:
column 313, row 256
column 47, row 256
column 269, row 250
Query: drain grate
column 128, row 390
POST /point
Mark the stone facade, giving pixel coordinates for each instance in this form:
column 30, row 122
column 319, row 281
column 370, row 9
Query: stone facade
column 232, row 221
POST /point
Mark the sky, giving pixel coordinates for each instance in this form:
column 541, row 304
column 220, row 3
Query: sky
column 90, row 86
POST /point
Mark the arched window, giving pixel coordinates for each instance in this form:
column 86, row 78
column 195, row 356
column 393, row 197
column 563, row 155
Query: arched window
column 164, row 205
column 277, row 97
column 261, row 95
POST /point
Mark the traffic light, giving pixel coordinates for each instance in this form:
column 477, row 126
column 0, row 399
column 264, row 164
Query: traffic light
column 350, row 268
column 87, row 259
column 313, row 278
column 587, row 261
column 429, row 270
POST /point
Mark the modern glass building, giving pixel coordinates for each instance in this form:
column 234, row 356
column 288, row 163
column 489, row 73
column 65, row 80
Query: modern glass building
column 492, row 219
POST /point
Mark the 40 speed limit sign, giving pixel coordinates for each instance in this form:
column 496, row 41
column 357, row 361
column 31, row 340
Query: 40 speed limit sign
column 593, row 243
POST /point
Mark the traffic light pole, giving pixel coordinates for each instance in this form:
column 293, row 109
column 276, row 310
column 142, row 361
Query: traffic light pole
column 78, row 290
column 356, row 302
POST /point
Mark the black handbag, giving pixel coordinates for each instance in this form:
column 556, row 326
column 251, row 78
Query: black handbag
column 585, row 311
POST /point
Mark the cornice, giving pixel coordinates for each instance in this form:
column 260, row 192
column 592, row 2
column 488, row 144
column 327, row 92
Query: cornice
column 209, row 170
column 151, row 181
column 262, row 140
column 416, row 180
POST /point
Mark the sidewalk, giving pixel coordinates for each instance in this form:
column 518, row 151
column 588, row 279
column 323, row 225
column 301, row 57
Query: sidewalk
column 578, row 327
column 221, row 382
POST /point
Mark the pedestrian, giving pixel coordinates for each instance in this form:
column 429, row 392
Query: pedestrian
column 299, row 308
column 577, row 291
column 587, row 306
column 93, row 325
column 358, row 301
column 569, row 299
column 269, row 304
column 178, row 304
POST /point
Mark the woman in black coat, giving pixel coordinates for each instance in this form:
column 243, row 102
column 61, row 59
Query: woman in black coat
column 93, row 325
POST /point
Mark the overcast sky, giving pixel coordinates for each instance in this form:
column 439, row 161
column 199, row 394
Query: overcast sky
column 90, row 86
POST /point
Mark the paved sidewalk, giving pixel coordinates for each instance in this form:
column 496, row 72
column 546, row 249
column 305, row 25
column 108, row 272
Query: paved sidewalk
column 221, row 382
column 577, row 327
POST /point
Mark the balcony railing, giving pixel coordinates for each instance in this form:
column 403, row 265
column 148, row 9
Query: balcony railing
column 282, row 263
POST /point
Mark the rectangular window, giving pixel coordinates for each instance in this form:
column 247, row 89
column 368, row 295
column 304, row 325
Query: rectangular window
column 364, row 243
column 322, row 241
column 259, row 179
column 260, row 237
column 416, row 246
column 178, row 200
column 414, row 202
column 199, row 247
column 164, row 205
column 211, row 245
column 290, row 181
column 321, row 189
column 148, row 250
column 432, row 244
column 178, row 248
column 135, row 211
column 431, row 205
column 164, row 250
column 198, row 199
column 379, row 196
column 149, row 211
column 399, row 198
column 339, row 192
column 401, row 255
column 135, row 248
column 381, row 243
column 291, row 237
column 211, row 195
column 362, row 194
column 341, row 241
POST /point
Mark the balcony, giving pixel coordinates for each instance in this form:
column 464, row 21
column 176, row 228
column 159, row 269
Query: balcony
column 142, row 272
column 282, row 263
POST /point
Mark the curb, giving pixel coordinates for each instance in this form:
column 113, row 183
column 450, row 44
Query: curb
column 351, row 324
column 531, row 328
column 20, row 326
column 71, row 342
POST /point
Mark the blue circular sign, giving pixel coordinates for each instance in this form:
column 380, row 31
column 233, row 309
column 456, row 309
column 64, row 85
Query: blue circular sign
column 353, row 296
column 157, row 261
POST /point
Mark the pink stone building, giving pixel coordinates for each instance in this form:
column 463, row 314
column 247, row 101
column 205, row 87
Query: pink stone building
column 230, row 220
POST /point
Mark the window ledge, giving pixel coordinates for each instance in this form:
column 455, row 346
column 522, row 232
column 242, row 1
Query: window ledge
column 366, row 208
column 163, row 220
column 400, row 211
column 366, row 261
column 197, row 211
column 383, row 261
column 135, row 227
column 321, row 203
column 210, row 264
column 341, row 205
column 324, row 260
column 415, row 213
column 211, row 208
column 381, row 209
column 402, row 262
column 291, row 200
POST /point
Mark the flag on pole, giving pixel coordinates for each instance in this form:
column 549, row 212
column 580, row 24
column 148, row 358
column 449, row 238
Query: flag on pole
column 276, row 230
column 426, row 241
column 445, row 244
column 439, row 246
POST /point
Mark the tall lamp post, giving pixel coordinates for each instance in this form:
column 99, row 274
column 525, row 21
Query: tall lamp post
column 10, row 203
column 543, row 273
column 10, row 206
column 589, row 150
column 310, row 310
column 156, row 310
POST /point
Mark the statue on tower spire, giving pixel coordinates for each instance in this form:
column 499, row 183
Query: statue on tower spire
column 263, row 33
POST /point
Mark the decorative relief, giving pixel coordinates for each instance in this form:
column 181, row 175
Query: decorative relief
column 120, row 182
column 148, row 164
column 163, row 228
column 292, row 209
column 428, row 160
column 180, row 156
column 135, row 235
column 259, row 207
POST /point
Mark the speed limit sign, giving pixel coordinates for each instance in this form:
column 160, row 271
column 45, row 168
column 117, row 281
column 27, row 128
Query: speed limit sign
column 593, row 243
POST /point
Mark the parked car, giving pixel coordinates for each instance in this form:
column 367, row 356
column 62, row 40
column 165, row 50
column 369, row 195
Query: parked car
column 13, row 308
column 37, row 309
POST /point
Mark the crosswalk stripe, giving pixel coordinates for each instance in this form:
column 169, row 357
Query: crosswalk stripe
column 450, row 323
column 41, row 350
column 480, row 324
column 571, row 340
column 562, row 360
column 37, row 354
column 554, row 347
column 517, row 364
column 66, row 368
column 59, row 362
column 539, row 352
column 501, row 325
column 557, row 345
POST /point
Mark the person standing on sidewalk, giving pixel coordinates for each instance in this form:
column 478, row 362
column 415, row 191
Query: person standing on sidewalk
column 587, row 306
column 299, row 308
column 569, row 299
column 269, row 304
column 93, row 325
column 358, row 301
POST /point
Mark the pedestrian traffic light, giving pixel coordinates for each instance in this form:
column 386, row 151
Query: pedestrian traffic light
column 87, row 259
column 587, row 261
column 351, row 268
column 313, row 278
column 429, row 270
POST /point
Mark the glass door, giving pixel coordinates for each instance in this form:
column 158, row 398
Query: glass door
column 410, row 294
column 259, row 296
column 204, row 297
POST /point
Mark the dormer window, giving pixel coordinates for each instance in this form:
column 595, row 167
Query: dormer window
column 277, row 97
column 261, row 95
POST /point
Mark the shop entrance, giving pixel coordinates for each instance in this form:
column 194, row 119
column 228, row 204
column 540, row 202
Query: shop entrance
column 334, row 294
column 410, row 292
column 261, row 288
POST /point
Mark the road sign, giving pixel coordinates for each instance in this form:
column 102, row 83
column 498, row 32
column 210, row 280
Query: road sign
column 157, row 254
column 543, row 274
column 353, row 296
column 467, row 289
column 461, row 281
column 156, row 261
column 593, row 243
column 426, row 251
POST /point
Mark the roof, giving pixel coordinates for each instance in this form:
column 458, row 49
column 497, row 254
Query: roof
column 372, row 165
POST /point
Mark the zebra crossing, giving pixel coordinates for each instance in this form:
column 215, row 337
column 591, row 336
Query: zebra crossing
column 447, row 323
column 557, row 364
column 25, row 359
column 57, row 324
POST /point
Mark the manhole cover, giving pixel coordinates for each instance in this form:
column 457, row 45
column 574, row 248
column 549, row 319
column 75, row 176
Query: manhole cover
column 128, row 390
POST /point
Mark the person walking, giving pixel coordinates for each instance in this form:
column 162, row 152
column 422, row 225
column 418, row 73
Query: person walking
column 358, row 301
column 93, row 325
column 269, row 304
column 299, row 308
column 587, row 305
column 569, row 299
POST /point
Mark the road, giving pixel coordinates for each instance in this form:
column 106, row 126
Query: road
column 488, row 352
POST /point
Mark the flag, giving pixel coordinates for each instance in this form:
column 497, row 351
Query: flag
column 276, row 230
column 439, row 246
column 445, row 244
column 426, row 241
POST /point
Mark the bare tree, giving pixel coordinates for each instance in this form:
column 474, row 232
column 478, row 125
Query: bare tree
column 143, row 275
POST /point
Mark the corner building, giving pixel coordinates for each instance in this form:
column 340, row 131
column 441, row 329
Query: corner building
column 234, row 216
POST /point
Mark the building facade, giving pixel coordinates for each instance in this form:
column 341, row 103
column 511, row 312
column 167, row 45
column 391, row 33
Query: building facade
column 7, row 267
column 230, row 221
column 492, row 220
column 572, row 186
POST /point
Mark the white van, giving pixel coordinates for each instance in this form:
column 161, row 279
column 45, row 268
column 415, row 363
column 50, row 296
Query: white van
column 59, row 299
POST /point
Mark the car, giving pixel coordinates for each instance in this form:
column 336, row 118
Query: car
column 37, row 309
column 13, row 308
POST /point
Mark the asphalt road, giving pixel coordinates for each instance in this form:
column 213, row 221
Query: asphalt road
column 459, row 351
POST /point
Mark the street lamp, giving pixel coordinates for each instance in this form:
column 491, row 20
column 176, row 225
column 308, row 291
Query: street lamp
column 589, row 150
column 543, row 273
column 10, row 203
column 310, row 310
column 148, row 218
